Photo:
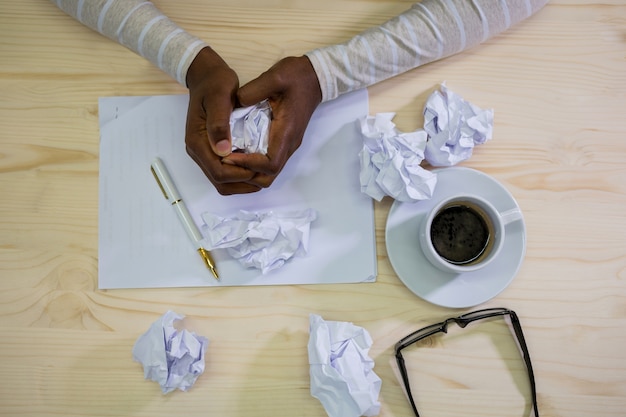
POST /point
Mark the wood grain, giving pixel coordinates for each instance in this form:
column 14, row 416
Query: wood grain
column 557, row 83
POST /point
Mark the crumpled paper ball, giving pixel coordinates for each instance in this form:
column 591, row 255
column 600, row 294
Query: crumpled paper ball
column 173, row 358
column 341, row 371
column 454, row 126
column 249, row 128
column 260, row 240
column 390, row 161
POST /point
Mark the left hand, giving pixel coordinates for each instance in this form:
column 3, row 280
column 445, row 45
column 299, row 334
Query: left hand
column 293, row 91
column 212, row 95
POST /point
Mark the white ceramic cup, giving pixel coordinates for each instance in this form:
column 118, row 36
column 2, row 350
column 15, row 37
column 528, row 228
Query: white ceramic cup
column 494, row 220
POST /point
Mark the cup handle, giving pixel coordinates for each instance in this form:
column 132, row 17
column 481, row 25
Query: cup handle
column 511, row 216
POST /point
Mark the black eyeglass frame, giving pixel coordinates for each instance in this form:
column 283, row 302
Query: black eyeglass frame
column 462, row 321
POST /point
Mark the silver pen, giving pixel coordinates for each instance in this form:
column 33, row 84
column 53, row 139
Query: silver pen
column 170, row 192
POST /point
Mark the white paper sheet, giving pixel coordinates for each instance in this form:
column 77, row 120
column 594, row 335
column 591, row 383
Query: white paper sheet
column 141, row 242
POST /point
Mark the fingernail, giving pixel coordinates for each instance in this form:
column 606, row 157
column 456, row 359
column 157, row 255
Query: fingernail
column 223, row 148
column 227, row 161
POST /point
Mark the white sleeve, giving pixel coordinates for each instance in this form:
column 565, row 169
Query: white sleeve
column 141, row 27
column 428, row 31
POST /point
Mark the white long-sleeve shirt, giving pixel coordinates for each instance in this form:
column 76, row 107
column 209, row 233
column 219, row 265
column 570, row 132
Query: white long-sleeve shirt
column 428, row 31
column 141, row 27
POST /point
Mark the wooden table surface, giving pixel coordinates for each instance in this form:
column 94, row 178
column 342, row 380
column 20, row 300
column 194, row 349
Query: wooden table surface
column 557, row 83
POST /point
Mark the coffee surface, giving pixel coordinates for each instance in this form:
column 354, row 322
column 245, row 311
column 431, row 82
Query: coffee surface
column 459, row 234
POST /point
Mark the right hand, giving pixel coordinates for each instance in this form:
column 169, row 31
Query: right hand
column 293, row 91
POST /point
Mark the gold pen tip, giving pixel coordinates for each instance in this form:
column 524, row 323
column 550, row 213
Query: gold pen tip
column 206, row 256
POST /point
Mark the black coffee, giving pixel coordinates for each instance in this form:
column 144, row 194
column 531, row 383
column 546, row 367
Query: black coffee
column 459, row 234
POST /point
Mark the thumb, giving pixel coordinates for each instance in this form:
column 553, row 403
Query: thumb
column 257, row 90
column 218, row 124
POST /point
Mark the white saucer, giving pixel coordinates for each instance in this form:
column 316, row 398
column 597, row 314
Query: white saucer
column 443, row 288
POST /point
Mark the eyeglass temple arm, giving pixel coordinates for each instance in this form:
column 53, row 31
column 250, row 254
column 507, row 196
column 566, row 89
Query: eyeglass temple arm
column 517, row 327
column 405, row 380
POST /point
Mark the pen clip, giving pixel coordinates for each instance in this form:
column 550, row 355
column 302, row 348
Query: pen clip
column 156, row 177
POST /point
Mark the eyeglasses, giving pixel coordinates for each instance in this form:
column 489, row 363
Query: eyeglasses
column 462, row 321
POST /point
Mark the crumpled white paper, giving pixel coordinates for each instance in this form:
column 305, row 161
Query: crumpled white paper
column 260, row 240
column 173, row 358
column 341, row 371
column 249, row 128
column 454, row 127
column 390, row 161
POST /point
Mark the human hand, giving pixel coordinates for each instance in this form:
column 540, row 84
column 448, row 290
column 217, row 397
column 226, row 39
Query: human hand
column 293, row 91
column 212, row 95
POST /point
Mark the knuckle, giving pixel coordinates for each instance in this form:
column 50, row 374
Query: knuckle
column 218, row 129
column 223, row 190
column 282, row 72
column 190, row 141
column 190, row 147
column 263, row 181
column 219, row 177
column 274, row 168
